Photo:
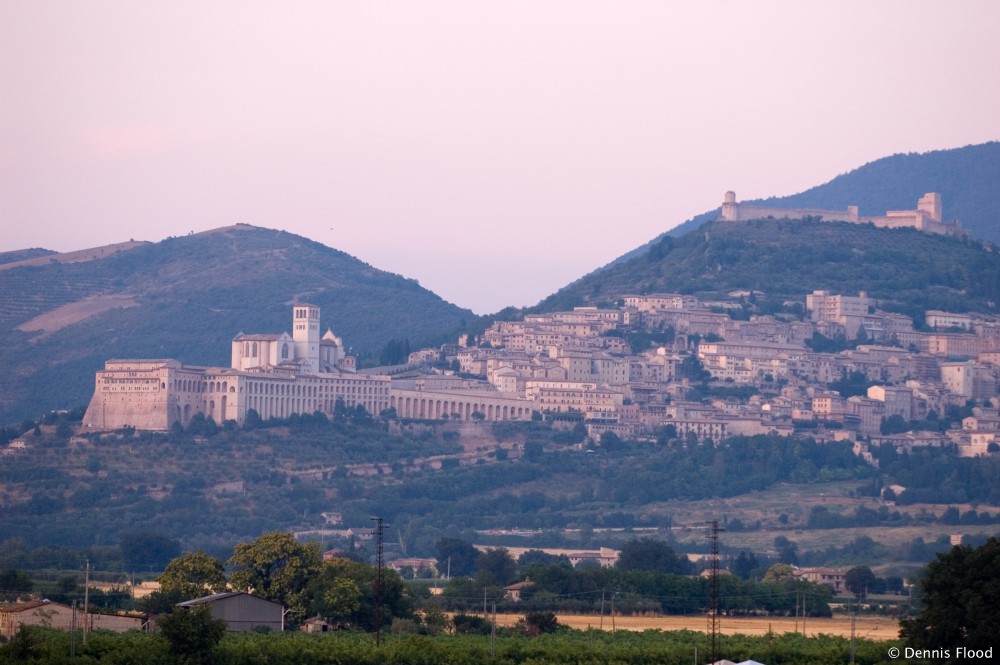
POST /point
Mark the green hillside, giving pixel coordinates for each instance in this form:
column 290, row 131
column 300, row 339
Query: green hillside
column 186, row 298
column 968, row 180
column 908, row 271
column 23, row 255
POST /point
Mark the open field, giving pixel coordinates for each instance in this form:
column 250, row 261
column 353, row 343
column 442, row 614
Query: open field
column 77, row 256
column 687, row 521
column 873, row 628
column 796, row 502
column 74, row 312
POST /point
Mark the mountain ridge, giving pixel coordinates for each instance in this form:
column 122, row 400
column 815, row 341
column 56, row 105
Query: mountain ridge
column 906, row 270
column 186, row 297
column 967, row 178
column 62, row 315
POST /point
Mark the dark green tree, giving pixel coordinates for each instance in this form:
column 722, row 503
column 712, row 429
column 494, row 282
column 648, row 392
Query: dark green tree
column 395, row 352
column 533, row 451
column 161, row 602
column 252, row 420
column 496, row 566
column 654, row 556
column 63, row 429
column 960, row 594
column 456, row 555
column 144, row 551
column 744, row 565
column 277, row 567
column 536, row 623
column 851, row 384
column 193, row 633
column 202, row 426
column 194, row 574
column 14, row 582
column 692, row 369
column 860, row 580
column 611, row 442
column 787, row 550
column 469, row 624
column 540, row 558
column 894, row 424
column 344, row 592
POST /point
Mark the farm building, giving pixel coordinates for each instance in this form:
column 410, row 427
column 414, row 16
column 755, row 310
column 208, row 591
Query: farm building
column 242, row 611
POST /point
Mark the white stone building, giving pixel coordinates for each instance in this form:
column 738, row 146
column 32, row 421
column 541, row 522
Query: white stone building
column 276, row 375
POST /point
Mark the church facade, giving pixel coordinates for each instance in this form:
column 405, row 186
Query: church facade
column 274, row 374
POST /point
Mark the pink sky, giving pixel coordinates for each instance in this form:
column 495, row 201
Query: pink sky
column 493, row 151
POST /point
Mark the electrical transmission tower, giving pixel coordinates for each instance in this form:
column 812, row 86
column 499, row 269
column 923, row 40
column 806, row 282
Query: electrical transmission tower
column 713, row 593
column 379, row 578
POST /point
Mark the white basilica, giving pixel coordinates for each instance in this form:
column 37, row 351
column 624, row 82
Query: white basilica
column 274, row 374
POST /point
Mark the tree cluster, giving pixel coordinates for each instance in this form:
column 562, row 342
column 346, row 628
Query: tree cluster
column 277, row 567
column 960, row 593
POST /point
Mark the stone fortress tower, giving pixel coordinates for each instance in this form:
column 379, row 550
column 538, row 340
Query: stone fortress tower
column 730, row 209
column 930, row 204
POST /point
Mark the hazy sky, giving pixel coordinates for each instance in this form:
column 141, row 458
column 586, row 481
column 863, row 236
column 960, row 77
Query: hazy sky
column 493, row 151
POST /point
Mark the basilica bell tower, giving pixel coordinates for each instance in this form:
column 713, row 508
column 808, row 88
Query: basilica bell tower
column 305, row 333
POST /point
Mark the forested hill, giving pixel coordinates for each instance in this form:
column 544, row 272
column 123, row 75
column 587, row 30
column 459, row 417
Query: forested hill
column 907, row 270
column 186, row 298
column 968, row 180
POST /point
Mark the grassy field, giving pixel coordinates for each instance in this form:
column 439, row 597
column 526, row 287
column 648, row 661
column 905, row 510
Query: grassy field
column 796, row 502
column 873, row 628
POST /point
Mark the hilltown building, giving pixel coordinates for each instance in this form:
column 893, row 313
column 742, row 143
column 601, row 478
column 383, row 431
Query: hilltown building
column 451, row 398
column 15, row 616
column 579, row 365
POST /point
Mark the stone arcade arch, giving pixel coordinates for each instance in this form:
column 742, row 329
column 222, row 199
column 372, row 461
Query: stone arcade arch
column 428, row 405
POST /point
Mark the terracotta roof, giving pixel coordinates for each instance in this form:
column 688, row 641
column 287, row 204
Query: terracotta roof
column 30, row 605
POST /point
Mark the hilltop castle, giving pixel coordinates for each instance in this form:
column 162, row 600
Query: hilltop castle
column 274, row 374
column 927, row 216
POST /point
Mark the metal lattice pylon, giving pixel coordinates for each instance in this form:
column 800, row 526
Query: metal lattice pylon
column 379, row 578
column 713, row 593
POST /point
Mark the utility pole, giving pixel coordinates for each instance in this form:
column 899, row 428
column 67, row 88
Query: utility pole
column 804, row 598
column 713, row 593
column 379, row 577
column 613, row 594
column 854, row 618
column 86, row 600
column 493, row 635
column 72, row 633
